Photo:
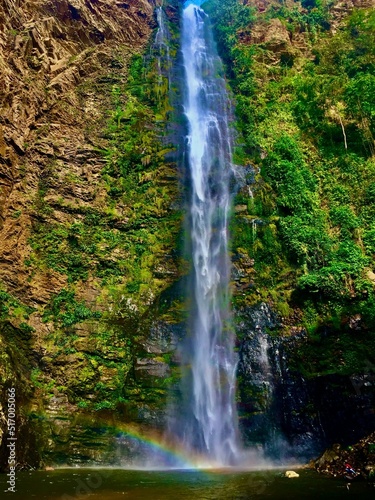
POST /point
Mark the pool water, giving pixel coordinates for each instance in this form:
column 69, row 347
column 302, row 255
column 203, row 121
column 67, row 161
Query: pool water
column 120, row 484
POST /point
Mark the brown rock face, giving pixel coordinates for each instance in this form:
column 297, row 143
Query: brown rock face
column 364, row 4
column 58, row 62
column 341, row 8
column 273, row 34
column 263, row 5
column 52, row 57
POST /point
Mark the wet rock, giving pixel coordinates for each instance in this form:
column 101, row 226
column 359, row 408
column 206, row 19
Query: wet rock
column 352, row 462
column 244, row 178
column 151, row 368
column 242, row 271
column 329, row 456
column 163, row 338
column 291, row 414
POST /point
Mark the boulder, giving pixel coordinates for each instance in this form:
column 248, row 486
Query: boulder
column 290, row 473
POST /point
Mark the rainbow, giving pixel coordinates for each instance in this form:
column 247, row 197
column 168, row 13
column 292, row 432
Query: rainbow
column 172, row 454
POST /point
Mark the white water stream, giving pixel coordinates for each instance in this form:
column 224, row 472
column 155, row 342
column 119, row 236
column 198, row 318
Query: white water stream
column 210, row 428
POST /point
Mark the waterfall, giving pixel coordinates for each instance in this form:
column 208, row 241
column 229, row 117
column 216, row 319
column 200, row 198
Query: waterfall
column 161, row 44
column 209, row 426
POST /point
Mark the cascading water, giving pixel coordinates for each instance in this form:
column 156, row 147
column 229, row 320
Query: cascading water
column 161, row 44
column 210, row 424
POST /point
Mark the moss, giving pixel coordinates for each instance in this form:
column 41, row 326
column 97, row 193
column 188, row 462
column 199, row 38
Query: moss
column 65, row 311
column 330, row 350
column 12, row 308
column 127, row 239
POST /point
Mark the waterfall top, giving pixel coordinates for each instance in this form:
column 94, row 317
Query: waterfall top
column 197, row 3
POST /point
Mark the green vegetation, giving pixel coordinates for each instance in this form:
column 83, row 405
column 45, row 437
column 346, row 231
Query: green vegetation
column 66, row 311
column 124, row 239
column 105, row 234
column 16, row 334
column 305, row 113
column 10, row 307
column 341, row 353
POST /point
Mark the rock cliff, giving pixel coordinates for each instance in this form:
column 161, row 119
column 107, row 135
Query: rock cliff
column 54, row 56
column 82, row 267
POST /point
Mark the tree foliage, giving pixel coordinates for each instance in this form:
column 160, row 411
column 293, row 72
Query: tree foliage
column 308, row 126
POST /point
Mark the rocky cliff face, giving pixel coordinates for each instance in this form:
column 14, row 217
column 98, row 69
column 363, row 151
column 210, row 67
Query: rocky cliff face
column 53, row 58
column 302, row 386
column 288, row 412
column 71, row 337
